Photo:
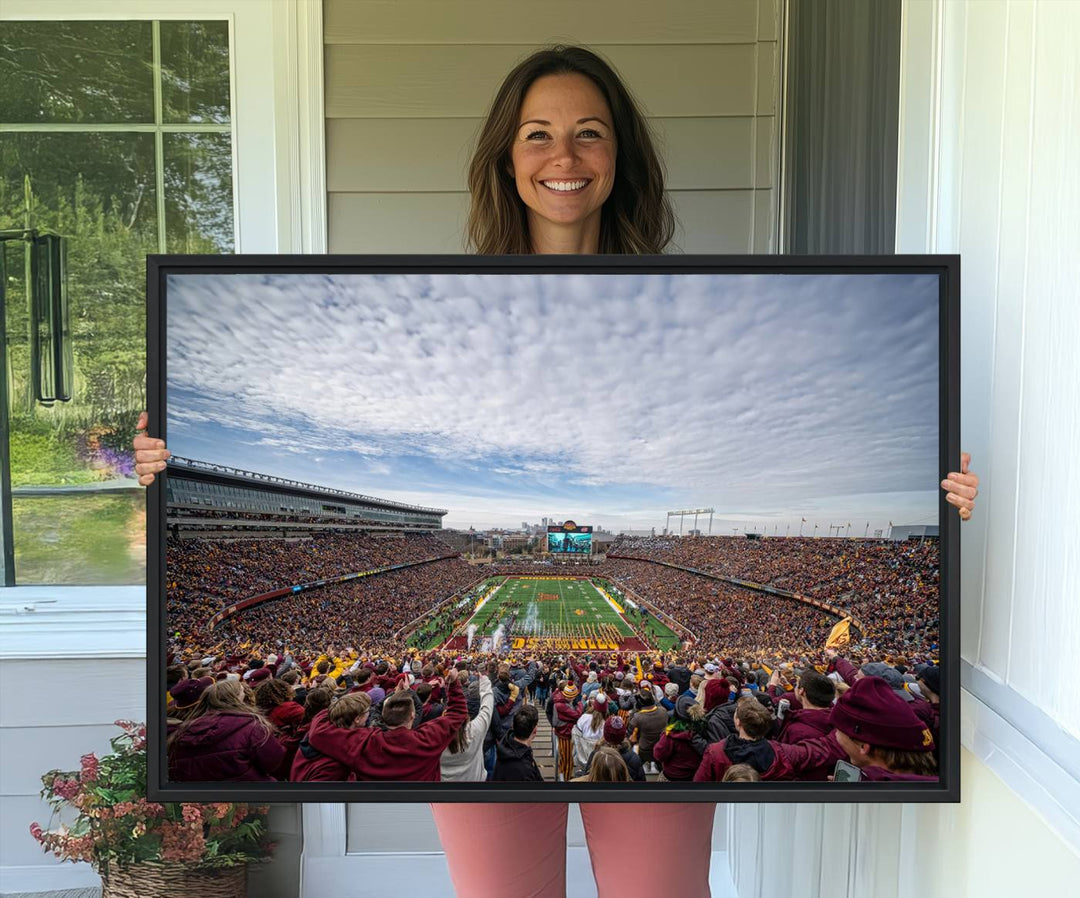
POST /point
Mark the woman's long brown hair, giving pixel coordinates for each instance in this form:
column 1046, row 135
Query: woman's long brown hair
column 637, row 216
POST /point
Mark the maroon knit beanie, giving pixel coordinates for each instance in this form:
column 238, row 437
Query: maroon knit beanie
column 871, row 712
column 187, row 692
column 716, row 693
column 614, row 730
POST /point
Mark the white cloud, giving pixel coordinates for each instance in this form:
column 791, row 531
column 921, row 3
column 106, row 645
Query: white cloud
column 735, row 390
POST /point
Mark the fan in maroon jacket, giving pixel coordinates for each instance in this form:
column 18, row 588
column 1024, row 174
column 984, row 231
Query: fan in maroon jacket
column 385, row 676
column 929, row 682
column 311, row 765
column 749, row 745
column 878, row 731
column 227, row 739
column 396, row 752
column 658, row 674
column 274, row 698
column 815, row 694
column 569, row 710
column 680, row 749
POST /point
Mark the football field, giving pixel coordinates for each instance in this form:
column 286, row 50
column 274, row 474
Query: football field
column 557, row 612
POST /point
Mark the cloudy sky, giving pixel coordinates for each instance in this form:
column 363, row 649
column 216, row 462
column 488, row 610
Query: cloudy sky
column 608, row 399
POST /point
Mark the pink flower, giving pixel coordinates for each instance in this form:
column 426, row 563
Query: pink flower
column 36, row 832
column 150, row 808
column 89, row 767
column 65, row 788
column 192, row 813
column 181, row 842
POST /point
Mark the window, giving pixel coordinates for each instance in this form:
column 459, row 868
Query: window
column 118, row 136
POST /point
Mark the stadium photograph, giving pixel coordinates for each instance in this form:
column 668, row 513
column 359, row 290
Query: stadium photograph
column 627, row 528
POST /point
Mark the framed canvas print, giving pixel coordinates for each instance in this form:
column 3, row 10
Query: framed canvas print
column 554, row 528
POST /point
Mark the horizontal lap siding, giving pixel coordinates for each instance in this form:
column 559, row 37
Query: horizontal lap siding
column 52, row 713
column 479, row 22
column 426, row 155
column 460, row 81
column 408, row 83
column 709, row 221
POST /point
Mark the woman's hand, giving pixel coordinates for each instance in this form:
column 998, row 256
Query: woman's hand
column 961, row 487
column 150, row 453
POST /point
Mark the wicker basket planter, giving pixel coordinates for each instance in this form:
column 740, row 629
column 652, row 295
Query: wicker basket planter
column 150, row 880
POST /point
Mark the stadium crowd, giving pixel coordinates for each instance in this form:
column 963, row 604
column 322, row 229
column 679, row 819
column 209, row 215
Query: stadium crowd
column 370, row 609
column 891, row 586
column 473, row 717
column 206, row 575
column 320, row 684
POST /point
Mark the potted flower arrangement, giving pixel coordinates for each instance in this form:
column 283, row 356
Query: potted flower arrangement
column 142, row 848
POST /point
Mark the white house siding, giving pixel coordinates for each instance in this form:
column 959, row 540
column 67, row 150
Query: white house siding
column 408, row 83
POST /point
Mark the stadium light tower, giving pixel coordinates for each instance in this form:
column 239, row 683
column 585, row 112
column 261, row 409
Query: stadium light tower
column 690, row 511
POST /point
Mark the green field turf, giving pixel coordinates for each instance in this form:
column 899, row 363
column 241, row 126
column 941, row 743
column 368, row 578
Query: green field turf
column 579, row 613
column 534, row 617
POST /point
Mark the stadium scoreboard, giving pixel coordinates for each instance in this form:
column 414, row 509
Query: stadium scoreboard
column 569, row 538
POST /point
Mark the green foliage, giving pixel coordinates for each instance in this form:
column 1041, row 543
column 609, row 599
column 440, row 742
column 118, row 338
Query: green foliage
column 41, row 458
column 99, row 190
column 84, row 539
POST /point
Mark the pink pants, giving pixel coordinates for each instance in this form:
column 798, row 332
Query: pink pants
column 520, row 849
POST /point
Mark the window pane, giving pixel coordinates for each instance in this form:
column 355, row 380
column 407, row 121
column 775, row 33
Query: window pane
column 79, row 517
column 195, row 72
column 198, row 193
column 81, row 539
column 98, row 191
column 112, row 173
column 76, row 72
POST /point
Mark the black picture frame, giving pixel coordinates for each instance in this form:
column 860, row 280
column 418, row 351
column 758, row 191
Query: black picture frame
column 947, row 789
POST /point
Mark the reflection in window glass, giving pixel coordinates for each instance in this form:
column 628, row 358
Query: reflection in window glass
column 195, row 71
column 198, row 193
column 81, row 184
column 85, row 539
column 79, row 516
column 64, row 72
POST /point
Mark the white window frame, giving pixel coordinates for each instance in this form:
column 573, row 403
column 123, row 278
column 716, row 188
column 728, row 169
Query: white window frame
column 279, row 203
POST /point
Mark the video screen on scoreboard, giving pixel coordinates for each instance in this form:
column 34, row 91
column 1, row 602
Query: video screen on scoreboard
column 569, row 539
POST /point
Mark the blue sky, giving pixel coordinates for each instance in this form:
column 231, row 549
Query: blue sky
column 608, row 399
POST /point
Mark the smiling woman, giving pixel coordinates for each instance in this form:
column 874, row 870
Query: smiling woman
column 563, row 117
column 563, row 162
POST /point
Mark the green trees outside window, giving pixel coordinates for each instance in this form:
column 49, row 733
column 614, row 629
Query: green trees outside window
column 117, row 136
